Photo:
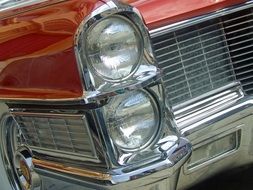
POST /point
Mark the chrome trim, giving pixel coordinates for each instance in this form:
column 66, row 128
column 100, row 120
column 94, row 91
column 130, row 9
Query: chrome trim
column 96, row 88
column 182, row 106
column 166, row 136
column 196, row 20
column 23, row 6
column 207, row 104
column 241, row 104
column 7, row 149
column 71, row 170
column 147, row 74
column 19, row 4
column 230, row 113
column 173, row 158
column 235, row 118
column 24, row 169
column 93, row 98
column 188, row 169
column 167, row 151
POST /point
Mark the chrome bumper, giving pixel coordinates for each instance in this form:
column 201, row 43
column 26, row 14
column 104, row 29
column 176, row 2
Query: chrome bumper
column 220, row 142
column 162, row 175
column 225, row 137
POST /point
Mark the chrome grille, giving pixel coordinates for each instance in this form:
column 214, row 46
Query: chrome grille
column 66, row 135
column 205, row 56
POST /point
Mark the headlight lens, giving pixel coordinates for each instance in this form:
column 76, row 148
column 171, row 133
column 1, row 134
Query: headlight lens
column 133, row 120
column 114, row 48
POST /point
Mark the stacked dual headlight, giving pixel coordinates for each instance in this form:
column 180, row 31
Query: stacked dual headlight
column 116, row 57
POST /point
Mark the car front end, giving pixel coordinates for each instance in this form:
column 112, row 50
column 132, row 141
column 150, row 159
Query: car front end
column 124, row 95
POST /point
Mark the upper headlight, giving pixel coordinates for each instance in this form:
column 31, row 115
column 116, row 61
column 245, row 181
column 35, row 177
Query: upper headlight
column 114, row 47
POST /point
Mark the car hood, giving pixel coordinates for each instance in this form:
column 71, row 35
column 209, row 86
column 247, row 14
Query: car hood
column 158, row 13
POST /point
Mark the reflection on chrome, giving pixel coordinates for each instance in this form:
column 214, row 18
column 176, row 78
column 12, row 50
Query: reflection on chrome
column 9, row 4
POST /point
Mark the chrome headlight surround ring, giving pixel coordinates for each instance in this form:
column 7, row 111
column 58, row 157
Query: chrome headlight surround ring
column 146, row 70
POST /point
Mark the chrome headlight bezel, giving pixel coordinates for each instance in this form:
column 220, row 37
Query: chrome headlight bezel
column 146, row 71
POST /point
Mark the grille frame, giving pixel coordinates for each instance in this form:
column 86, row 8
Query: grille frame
column 196, row 21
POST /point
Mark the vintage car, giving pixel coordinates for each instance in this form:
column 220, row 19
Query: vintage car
column 141, row 94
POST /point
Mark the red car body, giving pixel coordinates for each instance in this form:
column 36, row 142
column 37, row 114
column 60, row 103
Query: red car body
column 37, row 57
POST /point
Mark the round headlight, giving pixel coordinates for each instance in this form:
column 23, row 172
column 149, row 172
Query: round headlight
column 133, row 120
column 113, row 48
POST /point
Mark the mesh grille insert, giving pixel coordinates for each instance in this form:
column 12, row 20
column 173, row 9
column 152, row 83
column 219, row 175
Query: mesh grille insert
column 59, row 134
column 206, row 56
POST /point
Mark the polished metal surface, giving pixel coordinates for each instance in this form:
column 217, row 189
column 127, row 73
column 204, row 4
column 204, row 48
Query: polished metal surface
column 173, row 156
column 167, row 151
column 24, row 168
column 207, row 104
column 171, row 162
column 8, row 175
column 220, row 142
column 206, row 55
column 12, row 7
column 11, row 4
column 146, row 71
column 165, row 136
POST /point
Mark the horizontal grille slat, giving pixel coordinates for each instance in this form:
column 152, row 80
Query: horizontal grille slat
column 206, row 56
column 62, row 134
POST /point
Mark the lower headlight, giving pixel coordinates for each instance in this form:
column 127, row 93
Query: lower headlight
column 133, row 120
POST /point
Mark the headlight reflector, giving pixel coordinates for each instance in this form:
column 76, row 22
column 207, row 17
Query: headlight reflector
column 133, row 120
column 114, row 48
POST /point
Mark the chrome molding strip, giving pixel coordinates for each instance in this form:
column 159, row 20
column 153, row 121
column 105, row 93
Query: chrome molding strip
column 13, row 4
column 20, row 6
column 173, row 160
column 243, row 106
column 182, row 106
column 209, row 104
column 91, row 97
column 71, row 170
column 196, row 20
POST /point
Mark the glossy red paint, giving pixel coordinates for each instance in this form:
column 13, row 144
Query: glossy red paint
column 37, row 58
column 159, row 13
